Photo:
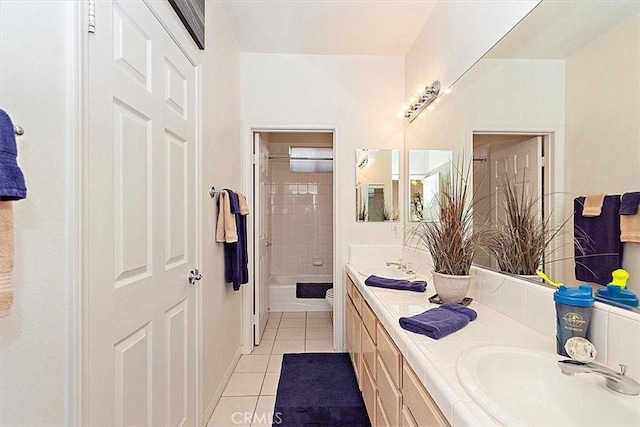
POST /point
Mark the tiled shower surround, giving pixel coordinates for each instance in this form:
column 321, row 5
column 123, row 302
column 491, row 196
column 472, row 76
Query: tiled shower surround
column 301, row 221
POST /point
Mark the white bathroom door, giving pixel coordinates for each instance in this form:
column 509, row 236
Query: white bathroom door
column 139, row 228
column 522, row 161
column 263, row 229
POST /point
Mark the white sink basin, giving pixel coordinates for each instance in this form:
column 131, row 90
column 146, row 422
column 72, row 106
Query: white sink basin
column 390, row 272
column 525, row 387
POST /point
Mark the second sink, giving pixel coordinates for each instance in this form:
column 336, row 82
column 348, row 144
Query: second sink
column 387, row 272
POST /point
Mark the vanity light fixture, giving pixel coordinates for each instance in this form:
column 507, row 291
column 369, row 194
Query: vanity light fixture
column 421, row 100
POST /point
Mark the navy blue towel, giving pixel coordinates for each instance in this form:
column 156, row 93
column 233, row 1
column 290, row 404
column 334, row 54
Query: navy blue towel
column 236, row 258
column 402, row 285
column 629, row 203
column 12, row 185
column 439, row 322
column 598, row 250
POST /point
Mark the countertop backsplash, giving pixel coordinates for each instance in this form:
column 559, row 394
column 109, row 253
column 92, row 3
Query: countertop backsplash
column 615, row 332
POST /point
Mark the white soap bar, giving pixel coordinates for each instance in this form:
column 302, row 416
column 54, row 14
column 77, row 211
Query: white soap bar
column 580, row 349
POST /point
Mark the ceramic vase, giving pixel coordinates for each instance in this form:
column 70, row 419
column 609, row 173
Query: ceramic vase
column 451, row 288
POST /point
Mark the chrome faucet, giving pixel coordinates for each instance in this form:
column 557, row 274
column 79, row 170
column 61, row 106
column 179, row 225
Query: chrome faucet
column 405, row 267
column 616, row 381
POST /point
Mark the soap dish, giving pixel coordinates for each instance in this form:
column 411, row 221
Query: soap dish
column 436, row 300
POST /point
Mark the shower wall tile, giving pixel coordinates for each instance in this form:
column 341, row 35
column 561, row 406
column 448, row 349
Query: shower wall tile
column 301, row 221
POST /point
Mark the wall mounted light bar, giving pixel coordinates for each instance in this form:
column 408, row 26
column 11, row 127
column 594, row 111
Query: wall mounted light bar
column 421, row 100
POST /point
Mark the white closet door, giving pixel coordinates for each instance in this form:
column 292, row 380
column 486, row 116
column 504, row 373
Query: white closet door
column 139, row 233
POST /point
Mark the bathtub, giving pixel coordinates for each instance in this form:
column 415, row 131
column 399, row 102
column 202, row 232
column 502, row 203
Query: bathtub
column 282, row 294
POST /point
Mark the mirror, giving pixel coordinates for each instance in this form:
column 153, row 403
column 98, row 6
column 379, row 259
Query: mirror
column 429, row 172
column 377, row 185
column 568, row 76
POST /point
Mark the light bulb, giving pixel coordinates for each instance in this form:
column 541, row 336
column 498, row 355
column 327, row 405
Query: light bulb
column 419, row 89
column 431, row 107
column 422, row 115
column 438, row 99
column 400, row 115
column 447, row 91
column 404, row 107
column 412, row 100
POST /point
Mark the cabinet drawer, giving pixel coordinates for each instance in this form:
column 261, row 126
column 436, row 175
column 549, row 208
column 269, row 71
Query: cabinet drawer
column 407, row 420
column 369, row 320
column 368, row 352
column 390, row 356
column 417, row 401
column 355, row 295
column 369, row 393
column 381, row 418
column 388, row 393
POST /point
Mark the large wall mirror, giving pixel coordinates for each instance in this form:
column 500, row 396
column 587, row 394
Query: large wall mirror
column 429, row 173
column 565, row 85
column 377, row 185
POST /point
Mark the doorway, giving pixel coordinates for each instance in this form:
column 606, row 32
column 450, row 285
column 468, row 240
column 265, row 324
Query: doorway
column 293, row 225
column 521, row 156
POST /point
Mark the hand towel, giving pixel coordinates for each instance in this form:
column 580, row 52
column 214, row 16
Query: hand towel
column 244, row 207
column 226, row 230
column 402, row 285
column 629, row 203
column 12, row 185
column 593, row 205
column 439, row 322
column 598, row 249
column 6, row 257
column 236, row 256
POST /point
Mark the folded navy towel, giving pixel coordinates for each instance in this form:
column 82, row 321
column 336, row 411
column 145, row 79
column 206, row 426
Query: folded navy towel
column 629, row 203
column 402, row 285
column 439, row 322
column 12, row 185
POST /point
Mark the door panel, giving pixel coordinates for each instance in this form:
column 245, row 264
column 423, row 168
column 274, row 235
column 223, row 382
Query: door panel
column 263, row 248
column 140, row 242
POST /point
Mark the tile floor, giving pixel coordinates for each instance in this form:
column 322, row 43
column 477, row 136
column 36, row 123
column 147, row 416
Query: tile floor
column 250, row 395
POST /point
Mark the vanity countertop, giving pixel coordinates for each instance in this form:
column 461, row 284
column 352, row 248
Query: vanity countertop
column 434, row 361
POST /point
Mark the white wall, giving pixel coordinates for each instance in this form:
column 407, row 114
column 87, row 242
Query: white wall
column 222, row 307
column 36, row 58
column 456, row 35
column 603, row 131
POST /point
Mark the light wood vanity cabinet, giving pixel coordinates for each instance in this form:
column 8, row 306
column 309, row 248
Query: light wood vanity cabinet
column 392, row 393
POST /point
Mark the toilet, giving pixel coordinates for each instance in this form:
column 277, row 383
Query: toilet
column 329, row 296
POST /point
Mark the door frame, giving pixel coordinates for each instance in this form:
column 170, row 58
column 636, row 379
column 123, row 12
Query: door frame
column 554, row 148
column 78, row 190
column 248, row 130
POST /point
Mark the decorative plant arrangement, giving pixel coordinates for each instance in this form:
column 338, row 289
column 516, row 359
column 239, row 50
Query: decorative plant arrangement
column 520, row 242
column 453, row 241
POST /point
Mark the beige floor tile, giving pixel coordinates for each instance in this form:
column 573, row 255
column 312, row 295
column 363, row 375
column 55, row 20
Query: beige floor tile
column 231, row 411
column 290, row 334
column 264, row 347
column 275, row 363
column 318, row 314
column 319, row 323
column 275, row 314
column 288, row 346
column 319, row 333
column 245, row 384
column 252, row 363
column 270, row 384
column 273, row 323
column 264, row 414
column 319, row 346
column 269, row 334
column 292, row 323
column 294, row 315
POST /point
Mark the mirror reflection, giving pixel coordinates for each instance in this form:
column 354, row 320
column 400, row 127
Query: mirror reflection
column 377, row 185
column 564, row 83
column 429, row 172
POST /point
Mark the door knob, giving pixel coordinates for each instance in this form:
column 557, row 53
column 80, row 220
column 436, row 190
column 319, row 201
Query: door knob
column 194, row 276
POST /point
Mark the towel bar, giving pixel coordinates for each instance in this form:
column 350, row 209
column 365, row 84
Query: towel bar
column 18, row 130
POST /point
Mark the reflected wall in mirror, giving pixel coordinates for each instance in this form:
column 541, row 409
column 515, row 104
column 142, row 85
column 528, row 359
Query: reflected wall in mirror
column 567, row 75
column 377, row 185
column 429, row 172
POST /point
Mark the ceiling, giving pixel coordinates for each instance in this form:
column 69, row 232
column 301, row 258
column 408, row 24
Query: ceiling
column 557, row 29
column 327, row 27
